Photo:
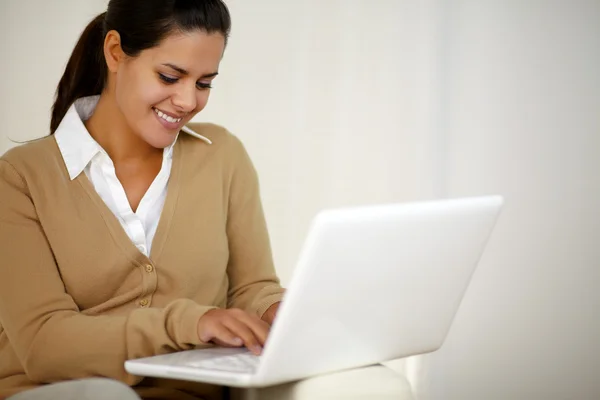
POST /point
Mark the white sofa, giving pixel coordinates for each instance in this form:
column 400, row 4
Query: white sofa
column 379, row 382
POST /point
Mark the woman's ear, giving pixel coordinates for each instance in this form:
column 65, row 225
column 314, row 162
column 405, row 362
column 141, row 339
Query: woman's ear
column 113, row 52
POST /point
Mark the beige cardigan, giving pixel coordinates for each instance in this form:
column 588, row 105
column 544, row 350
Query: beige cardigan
column 77, row 298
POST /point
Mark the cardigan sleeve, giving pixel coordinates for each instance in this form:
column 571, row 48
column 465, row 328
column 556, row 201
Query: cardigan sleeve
column 253, row 283
column 49, row 335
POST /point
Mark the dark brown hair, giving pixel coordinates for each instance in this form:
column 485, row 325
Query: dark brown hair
column 142, row 24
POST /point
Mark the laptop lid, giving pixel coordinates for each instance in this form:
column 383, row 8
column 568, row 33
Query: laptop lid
column 376, row 283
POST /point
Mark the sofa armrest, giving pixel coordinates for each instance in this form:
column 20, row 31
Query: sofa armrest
column 374, row 383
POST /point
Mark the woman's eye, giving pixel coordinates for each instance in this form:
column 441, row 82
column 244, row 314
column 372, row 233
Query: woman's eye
column 201, row 85
column 167, row 79
column 170, row 80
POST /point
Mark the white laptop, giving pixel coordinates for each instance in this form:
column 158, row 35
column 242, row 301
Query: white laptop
column 372, row 284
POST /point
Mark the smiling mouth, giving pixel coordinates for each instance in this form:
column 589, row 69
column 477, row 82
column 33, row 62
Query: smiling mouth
column 166, row 117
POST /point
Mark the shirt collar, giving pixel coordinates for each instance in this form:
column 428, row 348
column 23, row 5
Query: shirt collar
column 77, row 146
column 74, row 141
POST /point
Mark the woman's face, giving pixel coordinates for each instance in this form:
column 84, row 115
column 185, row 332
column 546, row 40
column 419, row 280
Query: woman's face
column 165, row 86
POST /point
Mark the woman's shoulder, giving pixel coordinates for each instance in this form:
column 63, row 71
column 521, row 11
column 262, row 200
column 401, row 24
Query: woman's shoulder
column 211, row 144
column 210, row 133
column 32, row 156
column 211, row 137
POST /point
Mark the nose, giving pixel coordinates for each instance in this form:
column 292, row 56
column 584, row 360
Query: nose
column 185, row 98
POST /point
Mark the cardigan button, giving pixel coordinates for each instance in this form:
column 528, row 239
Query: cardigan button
column 149, row 268
column 144, row 302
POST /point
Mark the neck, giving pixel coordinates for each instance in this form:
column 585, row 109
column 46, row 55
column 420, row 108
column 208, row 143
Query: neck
column 108, row 127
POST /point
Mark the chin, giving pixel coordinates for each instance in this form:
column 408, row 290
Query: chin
column 157, row 137
column 161, row 140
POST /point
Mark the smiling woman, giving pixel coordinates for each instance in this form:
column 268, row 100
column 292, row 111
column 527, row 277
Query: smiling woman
column 160, row 60
column 168, row 83
column 129, row 232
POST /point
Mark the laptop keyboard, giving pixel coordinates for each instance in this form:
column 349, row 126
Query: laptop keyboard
column 245, row 362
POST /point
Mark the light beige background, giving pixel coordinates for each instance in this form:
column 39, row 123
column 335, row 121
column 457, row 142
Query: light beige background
column 356, row 101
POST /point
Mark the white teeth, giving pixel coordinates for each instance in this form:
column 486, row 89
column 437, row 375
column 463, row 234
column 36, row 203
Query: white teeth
column 166, row 117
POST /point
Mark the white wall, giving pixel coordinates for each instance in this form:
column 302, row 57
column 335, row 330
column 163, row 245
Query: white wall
column 348, row 102
column 334, row 104
column 36, row 39
column 521, row 98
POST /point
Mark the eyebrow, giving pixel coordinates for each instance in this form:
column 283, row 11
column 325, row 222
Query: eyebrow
column 184, row 72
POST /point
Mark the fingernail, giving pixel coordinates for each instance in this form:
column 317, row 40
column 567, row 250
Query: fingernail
column 256, row 349
column 238, row 342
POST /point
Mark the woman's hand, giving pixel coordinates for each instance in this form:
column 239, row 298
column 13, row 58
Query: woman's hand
column 233, row 328
column 271, row 313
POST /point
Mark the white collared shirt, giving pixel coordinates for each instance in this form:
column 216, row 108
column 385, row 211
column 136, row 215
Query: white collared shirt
column 82, row 153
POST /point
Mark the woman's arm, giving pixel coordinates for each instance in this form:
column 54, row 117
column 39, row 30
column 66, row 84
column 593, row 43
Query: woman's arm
column 253, row 283
column 51, row 338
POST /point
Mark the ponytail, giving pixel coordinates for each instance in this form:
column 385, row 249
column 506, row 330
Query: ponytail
column 85, row 73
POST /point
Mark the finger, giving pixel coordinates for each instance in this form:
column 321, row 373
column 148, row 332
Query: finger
column 221, row 343
column 259, row 327
column 241, row 330
column 222, row 335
